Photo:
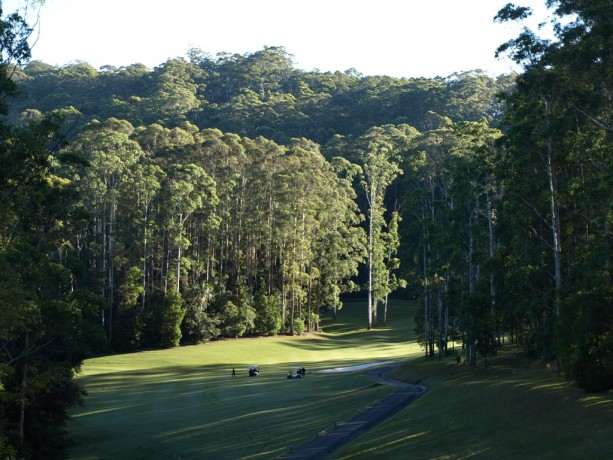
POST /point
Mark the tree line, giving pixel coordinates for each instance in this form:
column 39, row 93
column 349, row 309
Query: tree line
column 255, row 94
column 236, row 195
column 511, row 229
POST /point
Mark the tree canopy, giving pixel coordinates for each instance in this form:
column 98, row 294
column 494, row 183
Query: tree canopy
column 236, row 195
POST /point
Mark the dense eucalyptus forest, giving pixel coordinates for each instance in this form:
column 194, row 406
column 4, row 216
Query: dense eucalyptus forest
column 235, row 195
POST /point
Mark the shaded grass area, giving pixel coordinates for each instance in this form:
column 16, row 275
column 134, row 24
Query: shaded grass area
column 183, row 402
column 514, row 409
column 192, row 414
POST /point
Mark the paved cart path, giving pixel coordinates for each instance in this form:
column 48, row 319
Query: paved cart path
column 322, row 446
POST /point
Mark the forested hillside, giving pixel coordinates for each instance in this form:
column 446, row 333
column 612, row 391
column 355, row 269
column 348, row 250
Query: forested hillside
column 256, row 94
column 239, row 182
column 236, row 195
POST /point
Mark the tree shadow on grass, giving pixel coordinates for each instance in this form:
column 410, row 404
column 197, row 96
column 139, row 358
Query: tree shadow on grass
column 516, row 409
column 200, row 411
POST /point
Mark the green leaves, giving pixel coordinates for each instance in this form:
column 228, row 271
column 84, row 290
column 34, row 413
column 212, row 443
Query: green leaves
column 378, row 152
column 558, row 190
column 512, row 12
column 172, row 316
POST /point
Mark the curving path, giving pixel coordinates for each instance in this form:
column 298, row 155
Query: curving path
column 322, row 446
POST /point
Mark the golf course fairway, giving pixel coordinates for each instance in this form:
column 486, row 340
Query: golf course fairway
column 183, row 402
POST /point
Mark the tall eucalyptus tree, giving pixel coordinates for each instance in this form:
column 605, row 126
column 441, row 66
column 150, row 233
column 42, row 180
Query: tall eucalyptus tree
column 342, row 247
column 559, row 130
column 187, row 190
column 42, row 340
column 378, row 152
column 451, row 201
column 111, row 156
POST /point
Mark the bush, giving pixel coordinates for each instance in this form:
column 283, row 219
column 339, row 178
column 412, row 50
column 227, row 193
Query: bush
column 585, row 337
column 268, row 313
column 237, row 314
column 200, row 322
column 172, row 317
column 299, row 326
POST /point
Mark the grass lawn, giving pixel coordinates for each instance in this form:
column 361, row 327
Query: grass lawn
column 514, row 409
column 183, row 402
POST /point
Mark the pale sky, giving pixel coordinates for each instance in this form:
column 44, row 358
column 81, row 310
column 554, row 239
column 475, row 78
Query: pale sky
column 399, row 38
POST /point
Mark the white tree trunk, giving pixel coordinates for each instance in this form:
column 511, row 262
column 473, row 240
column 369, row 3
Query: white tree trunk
column 555, row 224
column 370, row 262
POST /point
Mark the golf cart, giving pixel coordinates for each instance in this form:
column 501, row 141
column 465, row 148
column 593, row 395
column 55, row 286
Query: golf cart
column 296, row 373
column 254, row 371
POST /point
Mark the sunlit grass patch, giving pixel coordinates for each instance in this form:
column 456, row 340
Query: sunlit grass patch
column 183, row 402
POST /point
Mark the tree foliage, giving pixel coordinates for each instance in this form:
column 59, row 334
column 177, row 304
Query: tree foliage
column 236, row 195
column 559, row 160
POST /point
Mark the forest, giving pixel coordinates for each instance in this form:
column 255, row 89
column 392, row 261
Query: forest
column 236, row 195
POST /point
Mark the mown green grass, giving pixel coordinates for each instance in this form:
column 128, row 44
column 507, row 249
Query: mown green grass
column 514, row 409
column 184, row 403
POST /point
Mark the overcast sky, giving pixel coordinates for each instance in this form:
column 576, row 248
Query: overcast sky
column 400, row 38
